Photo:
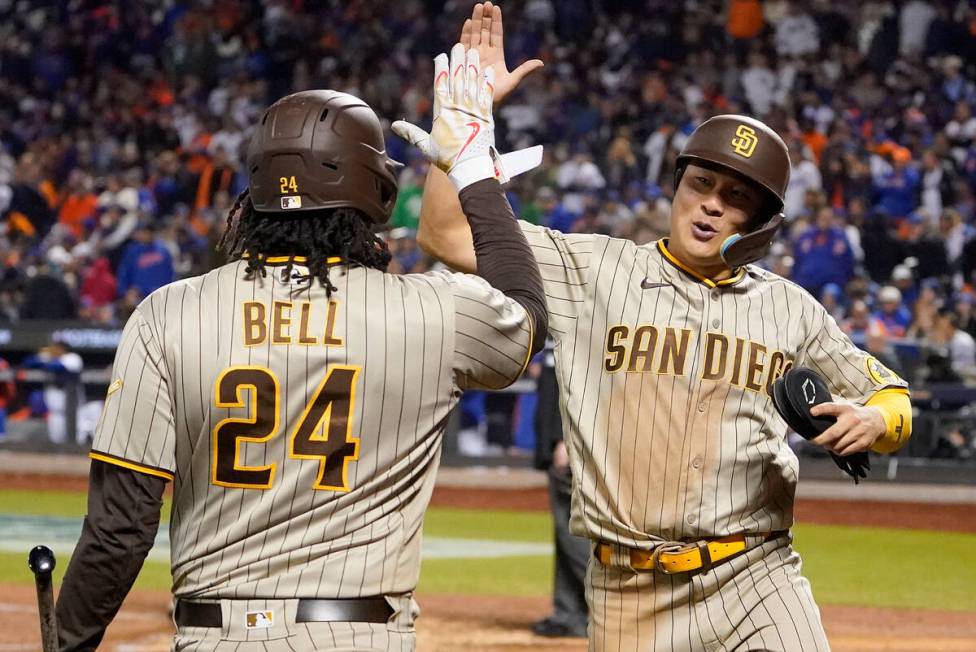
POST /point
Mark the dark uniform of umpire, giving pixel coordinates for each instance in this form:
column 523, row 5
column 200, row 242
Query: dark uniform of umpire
column 569, row 615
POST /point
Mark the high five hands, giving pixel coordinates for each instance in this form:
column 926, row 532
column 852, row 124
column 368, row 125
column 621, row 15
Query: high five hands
column 462, row 139
column 484, row 32
column 466, row 85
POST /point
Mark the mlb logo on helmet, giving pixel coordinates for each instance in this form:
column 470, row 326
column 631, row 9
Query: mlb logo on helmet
column 291, row 202
column 745, row 141
column 258, row 619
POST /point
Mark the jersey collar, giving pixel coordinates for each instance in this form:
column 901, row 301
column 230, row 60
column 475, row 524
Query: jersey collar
column 738, row 275
column 298, row 260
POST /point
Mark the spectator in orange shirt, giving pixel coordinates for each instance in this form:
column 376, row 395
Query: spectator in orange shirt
column 745, row 19
column 813, row 139
column 744, row 23
column 78, row 203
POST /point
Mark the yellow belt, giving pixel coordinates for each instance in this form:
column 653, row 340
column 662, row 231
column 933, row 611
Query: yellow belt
column 677, row 557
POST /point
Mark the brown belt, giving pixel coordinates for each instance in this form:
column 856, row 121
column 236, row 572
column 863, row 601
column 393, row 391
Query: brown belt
column 356, row 610
column 680, row 557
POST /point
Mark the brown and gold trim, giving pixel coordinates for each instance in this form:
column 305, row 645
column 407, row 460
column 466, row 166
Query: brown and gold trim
column 300, row 260
column 133, row 466
column 662, row 246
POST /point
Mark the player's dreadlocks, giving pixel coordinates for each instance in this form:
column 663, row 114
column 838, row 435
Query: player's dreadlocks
column 316, row 235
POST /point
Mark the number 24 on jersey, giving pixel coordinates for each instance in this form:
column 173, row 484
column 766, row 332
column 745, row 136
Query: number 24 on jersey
column 330, row 407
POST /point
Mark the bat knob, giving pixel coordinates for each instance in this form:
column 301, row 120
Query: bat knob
column 41, row 560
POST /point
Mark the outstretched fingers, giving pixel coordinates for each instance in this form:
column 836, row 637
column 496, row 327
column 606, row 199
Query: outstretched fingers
column 477, row 15
column 472, row 77
column 415, row 136
column 442, row 85
column 487, row 94
column 496, row 34
column 487, row 14
column 458, row 66
column 527, row 67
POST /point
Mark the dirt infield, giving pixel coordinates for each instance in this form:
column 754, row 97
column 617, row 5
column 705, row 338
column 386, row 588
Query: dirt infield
column 483, row 624
column 500, row 624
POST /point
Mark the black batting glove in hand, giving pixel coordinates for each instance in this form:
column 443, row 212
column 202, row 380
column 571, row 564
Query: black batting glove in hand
column 794, row 395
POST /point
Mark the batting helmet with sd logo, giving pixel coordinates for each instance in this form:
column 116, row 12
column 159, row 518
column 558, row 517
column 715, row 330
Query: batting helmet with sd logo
column 321, row 149
column 753, row 150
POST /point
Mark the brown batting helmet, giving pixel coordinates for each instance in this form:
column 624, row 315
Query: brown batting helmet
column 321, row 149
column 749, row 147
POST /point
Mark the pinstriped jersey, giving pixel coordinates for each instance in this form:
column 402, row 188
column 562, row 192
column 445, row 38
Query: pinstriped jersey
column 302, row 432
column 665, row 383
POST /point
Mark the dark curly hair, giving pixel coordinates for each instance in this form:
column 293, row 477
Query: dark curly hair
column 315, row 235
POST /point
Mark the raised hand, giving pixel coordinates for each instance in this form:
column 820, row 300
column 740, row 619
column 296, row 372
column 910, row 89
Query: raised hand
column 484, row 32
column 462, row 139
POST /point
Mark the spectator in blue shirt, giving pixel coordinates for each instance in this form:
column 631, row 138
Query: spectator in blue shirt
column 554, row 214
column 897, row 190
column 893, row 313
column 146, row 264
column 822, row 254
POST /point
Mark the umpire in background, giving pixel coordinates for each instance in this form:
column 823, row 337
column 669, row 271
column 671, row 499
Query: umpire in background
column 569, row 614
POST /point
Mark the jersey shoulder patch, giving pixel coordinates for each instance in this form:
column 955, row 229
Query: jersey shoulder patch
column 881, row 374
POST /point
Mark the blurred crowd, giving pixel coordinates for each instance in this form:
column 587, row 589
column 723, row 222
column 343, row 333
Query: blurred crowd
column 125, row 125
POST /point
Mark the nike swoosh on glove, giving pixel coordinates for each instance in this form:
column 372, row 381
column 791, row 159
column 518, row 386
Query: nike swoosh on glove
column 462, row 139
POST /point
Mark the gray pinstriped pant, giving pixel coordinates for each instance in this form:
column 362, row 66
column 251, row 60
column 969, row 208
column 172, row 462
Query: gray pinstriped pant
column 756, row 601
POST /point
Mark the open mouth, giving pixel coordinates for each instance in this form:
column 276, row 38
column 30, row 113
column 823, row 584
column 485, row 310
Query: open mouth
column 703, row 231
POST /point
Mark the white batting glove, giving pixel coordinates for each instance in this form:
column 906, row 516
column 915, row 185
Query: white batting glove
column 462, row 140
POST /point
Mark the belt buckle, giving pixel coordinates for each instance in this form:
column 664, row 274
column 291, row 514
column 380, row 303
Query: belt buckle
column 661, row 549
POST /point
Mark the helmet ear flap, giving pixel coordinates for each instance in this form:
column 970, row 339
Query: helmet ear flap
column 679, row 171
column 739, row 249
column 729, row 241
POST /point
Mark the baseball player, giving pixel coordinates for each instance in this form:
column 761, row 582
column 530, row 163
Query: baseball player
column 296, row 397
column 665, row 353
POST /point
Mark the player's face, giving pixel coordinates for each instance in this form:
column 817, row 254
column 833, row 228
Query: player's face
column 709, row 206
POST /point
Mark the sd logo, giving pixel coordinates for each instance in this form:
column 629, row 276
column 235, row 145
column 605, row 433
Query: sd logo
column 745, row 141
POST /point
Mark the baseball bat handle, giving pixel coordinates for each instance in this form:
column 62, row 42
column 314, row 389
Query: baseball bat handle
column 41, row 562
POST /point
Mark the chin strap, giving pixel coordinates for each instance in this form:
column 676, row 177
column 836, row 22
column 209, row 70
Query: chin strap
column 739, row 250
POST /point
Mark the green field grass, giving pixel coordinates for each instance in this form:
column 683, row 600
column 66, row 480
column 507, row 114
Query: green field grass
column 878, row 567
column 13, row 568
column 889, row 568
column 51, row 503
column 477, row 524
